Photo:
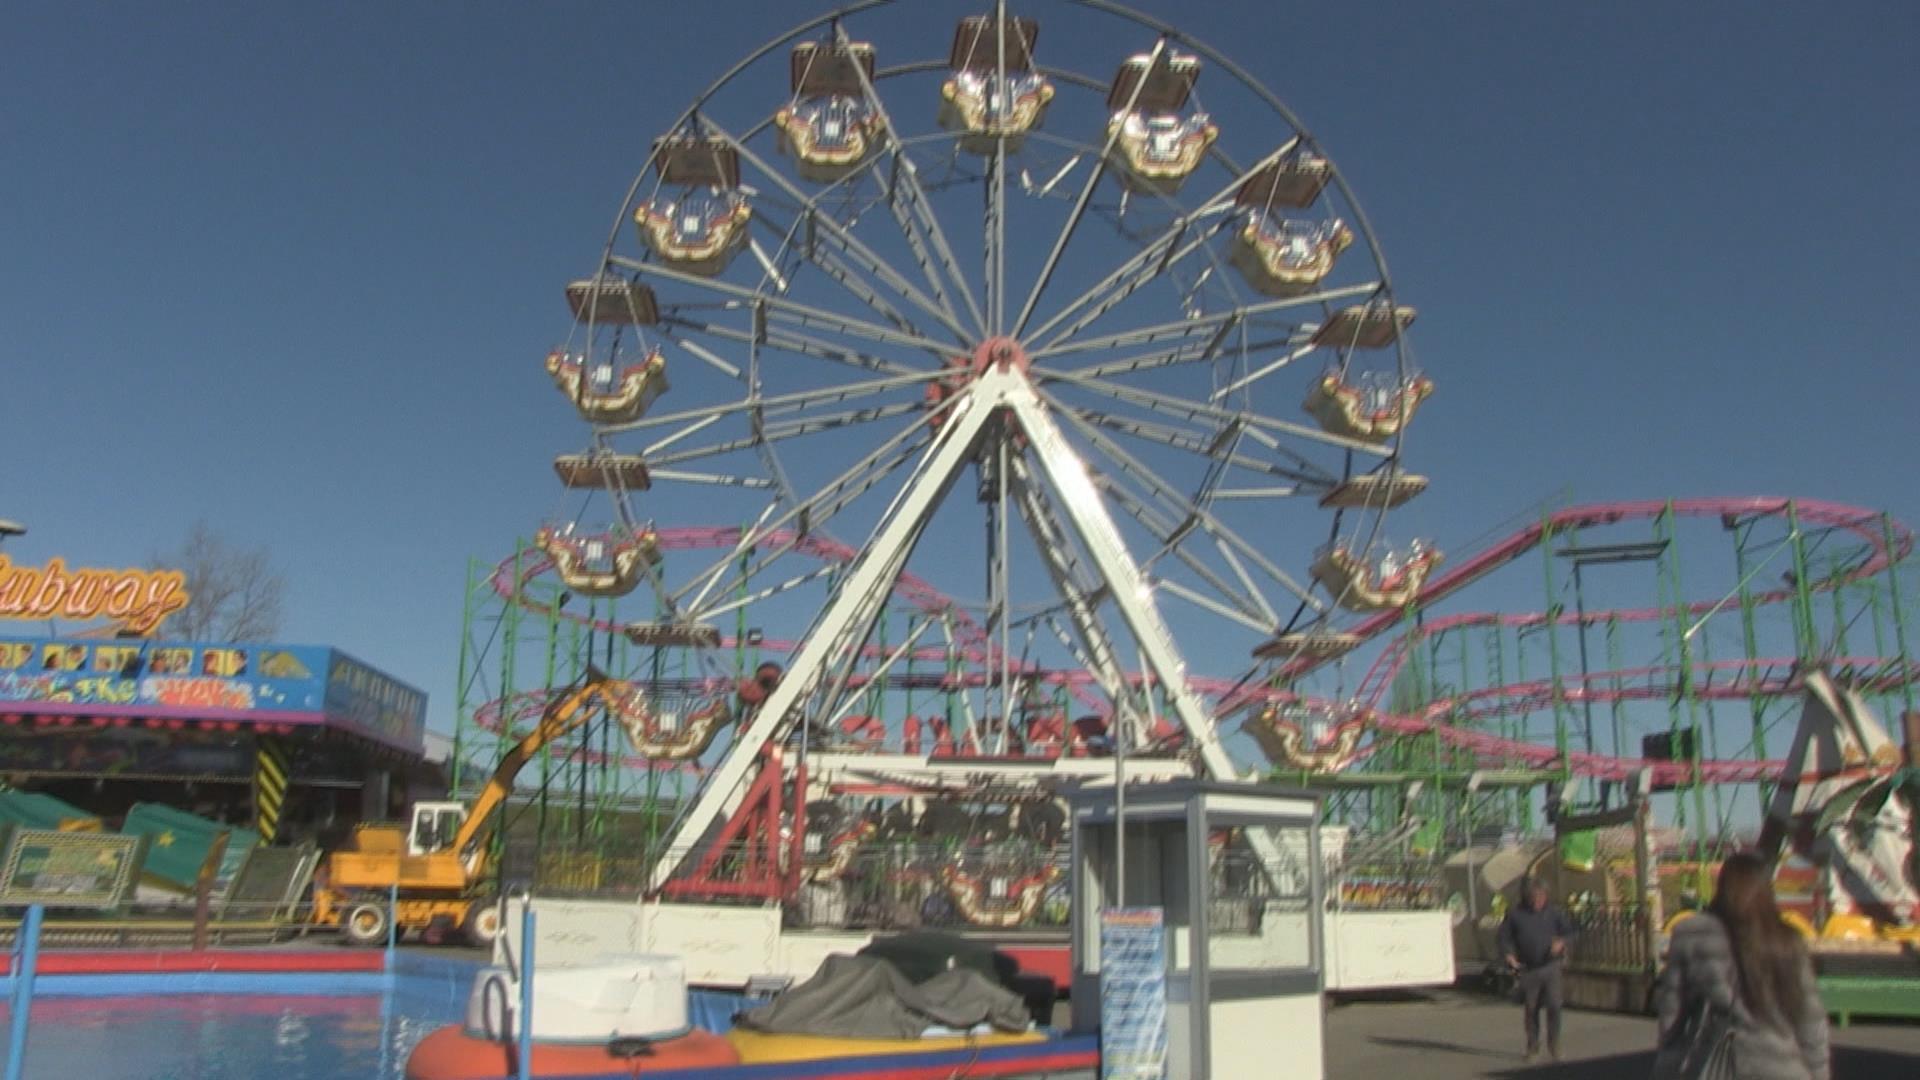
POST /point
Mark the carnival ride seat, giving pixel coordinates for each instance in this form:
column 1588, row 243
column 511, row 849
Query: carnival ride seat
column 1392, row 581
column 1155, row 146
column 603, row 394
column 829, row 128
column 1281, row 256
column 678, row 724
column 1156, row 152
column 833, row 841
column 698, row 230
column 1374, row 408
column 1296, row 737
column 986, row 107
column 600, row 564
column 993, row 93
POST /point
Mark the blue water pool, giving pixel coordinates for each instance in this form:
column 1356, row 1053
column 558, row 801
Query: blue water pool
column 295, row 1036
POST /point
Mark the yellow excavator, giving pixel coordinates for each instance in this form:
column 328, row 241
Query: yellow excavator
column 438, row 861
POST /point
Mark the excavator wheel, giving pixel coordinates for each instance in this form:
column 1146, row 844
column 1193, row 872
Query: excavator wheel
column 365, row 924
column 482, row 924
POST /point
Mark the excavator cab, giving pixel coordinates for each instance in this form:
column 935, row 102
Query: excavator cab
column 435, row 825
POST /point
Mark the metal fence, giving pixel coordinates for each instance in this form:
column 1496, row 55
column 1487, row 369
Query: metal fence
column 1612, row 939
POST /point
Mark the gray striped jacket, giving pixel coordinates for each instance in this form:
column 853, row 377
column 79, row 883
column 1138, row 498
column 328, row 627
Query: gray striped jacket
column 1700, row 965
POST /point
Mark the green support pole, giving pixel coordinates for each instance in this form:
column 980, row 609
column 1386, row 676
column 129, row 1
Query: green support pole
column 1806, row 638
column 1553, row 652
column 1893, row 598
column 1713, row 739
column 1673, row 602
column 1615, row 664
column 1512, row 728
column 740, row 627
column 1872, row 590
column 1834, row 572
column 461, row 703
column 546, row 750
column 509, row 651
column 1750, row 637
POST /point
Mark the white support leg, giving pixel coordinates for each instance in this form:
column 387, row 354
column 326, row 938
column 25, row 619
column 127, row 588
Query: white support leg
column 849, row 616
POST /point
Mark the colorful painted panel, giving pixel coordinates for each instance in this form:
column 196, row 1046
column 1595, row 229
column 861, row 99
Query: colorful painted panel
column 284, row 684
column 68, row 869
column 372, row 703
column 162, row 678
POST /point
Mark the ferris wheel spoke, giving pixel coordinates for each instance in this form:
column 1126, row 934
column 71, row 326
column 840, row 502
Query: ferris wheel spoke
column 918, row 214
column 712, row 479
column 1061, row 560
column 1251, row 602
column 817, row 508
column 801, row 345
column 766, row 593
column 1201, row 600
column 786, row 310
column 1205, row 445
column 994, row 230
column 1135, row 278
column 1080, row 204
column 1190, row 328
column 779, row 403
column 792, row 430
column 813, row 227
column 1284, row 360
column 1156, row 257
column 1176, row 500
column 1189, row 409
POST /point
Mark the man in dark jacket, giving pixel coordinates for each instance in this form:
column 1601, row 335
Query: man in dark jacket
column 1533, row 940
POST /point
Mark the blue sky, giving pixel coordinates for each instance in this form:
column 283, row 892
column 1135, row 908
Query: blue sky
column 291, row 269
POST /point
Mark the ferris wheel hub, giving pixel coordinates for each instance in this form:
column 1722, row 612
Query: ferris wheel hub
column 1002, row 352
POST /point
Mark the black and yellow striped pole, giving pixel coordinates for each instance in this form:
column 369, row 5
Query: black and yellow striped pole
column 270, row 773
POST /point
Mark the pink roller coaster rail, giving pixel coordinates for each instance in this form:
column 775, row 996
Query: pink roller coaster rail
column 1718, row 680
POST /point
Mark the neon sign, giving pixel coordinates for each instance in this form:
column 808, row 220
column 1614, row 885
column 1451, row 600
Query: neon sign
column 141, row 599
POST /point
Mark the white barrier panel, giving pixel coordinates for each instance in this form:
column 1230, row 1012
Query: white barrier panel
column 723, row 945
column 1378, row 950
column 572, row 932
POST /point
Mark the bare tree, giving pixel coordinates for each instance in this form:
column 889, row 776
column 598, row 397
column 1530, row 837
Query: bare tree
column 235, row 594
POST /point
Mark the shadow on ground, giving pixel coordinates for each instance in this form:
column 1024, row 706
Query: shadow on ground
column 1848, row 1064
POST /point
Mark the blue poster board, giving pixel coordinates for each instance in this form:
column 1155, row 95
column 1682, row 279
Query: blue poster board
column 1133, row 994
column 248, row 683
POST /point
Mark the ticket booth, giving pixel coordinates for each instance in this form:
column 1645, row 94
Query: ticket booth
column 1222, row 885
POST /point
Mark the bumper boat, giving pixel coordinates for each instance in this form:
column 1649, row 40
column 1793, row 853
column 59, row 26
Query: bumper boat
column 892, row 1013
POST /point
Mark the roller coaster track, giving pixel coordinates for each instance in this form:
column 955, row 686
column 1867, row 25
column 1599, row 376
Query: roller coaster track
column 1449, row 718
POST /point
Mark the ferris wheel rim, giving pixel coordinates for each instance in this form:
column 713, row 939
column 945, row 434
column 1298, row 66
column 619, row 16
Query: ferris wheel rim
column 923, row 332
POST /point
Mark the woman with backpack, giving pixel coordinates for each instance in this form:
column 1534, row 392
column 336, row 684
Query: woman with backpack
column 1738, row 1000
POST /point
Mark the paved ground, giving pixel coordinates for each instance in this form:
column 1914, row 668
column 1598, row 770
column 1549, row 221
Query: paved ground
column 1452, row 1036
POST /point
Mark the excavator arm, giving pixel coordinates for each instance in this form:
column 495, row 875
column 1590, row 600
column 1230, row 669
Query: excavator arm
column 559, row 717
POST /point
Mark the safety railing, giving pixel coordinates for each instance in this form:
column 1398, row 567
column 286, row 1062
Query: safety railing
column 1612, row 939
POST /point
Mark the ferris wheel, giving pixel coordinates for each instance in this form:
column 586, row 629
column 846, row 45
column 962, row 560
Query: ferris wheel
column 1028, row 367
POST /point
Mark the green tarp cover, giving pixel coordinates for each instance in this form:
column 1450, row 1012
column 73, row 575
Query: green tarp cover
column 1579, row 850
column 32, row 810
column 178, row 842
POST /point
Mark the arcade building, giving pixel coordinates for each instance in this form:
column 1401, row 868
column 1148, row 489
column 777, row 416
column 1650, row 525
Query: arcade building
column 296, row 742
